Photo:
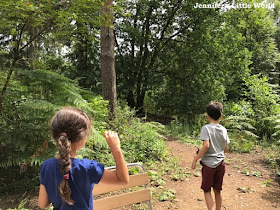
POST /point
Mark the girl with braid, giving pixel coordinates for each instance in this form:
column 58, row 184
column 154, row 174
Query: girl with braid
column 66, row 181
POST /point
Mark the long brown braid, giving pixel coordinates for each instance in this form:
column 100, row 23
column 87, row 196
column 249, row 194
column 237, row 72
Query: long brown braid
column 68, row 125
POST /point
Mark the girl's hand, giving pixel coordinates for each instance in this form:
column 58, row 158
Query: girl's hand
column 112, row 140
column 120, row 176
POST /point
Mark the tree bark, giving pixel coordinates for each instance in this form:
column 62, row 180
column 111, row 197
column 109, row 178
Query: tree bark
column 11, row 70
column 33, row 47
column 108, row 74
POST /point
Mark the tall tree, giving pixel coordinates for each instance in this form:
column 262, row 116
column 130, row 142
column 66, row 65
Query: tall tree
column 192, row 55
column 108, row 74
column 144, row 38
column 257, row 27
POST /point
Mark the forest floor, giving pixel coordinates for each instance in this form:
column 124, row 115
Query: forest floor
column 248, row 182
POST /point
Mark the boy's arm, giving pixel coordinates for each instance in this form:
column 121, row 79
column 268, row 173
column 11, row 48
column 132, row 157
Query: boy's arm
column 201, row 152
column 226, row 148
column 227, row 142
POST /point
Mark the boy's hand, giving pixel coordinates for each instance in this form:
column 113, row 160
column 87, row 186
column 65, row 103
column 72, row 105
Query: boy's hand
column 112, row 140
column 194, row 163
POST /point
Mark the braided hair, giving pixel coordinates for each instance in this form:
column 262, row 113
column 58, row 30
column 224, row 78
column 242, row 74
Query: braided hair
column 69, row 125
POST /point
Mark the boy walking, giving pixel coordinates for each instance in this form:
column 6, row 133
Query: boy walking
column 215, row 144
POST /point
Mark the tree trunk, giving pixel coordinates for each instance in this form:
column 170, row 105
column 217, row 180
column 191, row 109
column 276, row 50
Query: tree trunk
column 33, row 47
column 130, row 99
column 11, row 70
column 108, row 74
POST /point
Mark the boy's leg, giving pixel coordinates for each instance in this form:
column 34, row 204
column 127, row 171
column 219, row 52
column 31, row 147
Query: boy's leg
column 207, row 182
column 209, row 200
column 218, row 199
column 218, row 183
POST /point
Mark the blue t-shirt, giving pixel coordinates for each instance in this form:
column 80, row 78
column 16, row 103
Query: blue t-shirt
column 84, row 173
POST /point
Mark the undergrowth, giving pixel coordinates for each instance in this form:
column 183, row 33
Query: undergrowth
column 140, row 142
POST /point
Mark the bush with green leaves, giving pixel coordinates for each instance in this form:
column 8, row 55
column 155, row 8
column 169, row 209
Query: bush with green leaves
column 239, row 121
column 265, row 103
column 275, row 128
column 254, row 119
column 182, row 128
column 178, row 129
column 141, row 141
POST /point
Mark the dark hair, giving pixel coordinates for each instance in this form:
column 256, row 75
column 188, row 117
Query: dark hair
column 67, row 126
column 214, row 110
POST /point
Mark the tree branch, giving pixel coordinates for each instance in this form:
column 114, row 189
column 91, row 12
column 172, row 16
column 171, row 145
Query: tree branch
column 37, row 35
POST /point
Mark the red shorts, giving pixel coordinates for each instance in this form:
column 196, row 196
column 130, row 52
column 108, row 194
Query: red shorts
column 213, row 177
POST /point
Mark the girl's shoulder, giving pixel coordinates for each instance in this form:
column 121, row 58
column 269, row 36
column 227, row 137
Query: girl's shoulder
column 50, row 161
column 85, row 163
column 81, row 161
column 94, row 169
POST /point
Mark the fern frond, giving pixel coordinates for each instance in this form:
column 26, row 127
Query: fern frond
column 249, row 133
column 247, row 125
column 277, row 133
column 31, row 100
column 97, row 138
column 237, row 126
column 277, row 127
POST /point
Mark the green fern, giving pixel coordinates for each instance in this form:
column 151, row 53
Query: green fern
column 241, row 125
column 274, row 121
column 31, row 100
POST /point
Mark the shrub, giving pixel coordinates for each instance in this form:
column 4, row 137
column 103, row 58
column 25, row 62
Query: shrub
column 187, row 126
column 140, row 141
column 264, row 101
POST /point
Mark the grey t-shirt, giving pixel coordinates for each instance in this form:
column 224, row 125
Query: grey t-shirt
column 217, row 136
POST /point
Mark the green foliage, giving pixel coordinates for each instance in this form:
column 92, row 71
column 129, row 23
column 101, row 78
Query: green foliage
column 241, row 125
column 255, row 117
column 240, row 144
column 174, row 62
column 274, row 131
column 273, row 158
column 240, row 108
column 178, row 129
column 12, row 184
column 140, row 141
column 31, row 100
column 21, row 205
column 267, row 183
column 264, row 101
column 208, row 61
column 187, row 130
column 262, row 96
column 239, row 121
column 258, row 29
column 167, row 195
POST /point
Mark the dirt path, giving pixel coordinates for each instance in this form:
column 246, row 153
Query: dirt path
column 252, row 193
